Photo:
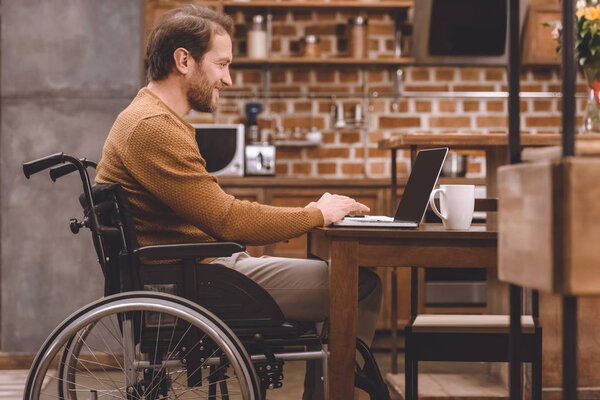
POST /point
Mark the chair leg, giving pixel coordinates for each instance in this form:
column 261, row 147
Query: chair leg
column 415, row 382
column 325, row 360
column 407, row 367
column 536, row 367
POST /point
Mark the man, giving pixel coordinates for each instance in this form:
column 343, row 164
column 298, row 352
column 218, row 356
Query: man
column 152, row 153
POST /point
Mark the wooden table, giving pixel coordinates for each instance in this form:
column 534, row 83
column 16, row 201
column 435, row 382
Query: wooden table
column 348, row 248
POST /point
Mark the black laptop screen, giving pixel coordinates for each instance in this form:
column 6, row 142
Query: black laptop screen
column 421, row 182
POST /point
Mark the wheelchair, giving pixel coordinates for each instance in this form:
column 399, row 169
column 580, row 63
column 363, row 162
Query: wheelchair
column 169, row 327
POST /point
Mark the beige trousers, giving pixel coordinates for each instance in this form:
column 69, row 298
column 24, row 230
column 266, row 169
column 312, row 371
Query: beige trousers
column 301, row 289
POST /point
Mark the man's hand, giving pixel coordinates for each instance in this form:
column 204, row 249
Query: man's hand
column 335, row 207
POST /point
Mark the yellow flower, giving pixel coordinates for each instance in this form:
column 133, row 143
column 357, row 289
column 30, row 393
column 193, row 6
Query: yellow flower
column 594, row 13
column 590, row 13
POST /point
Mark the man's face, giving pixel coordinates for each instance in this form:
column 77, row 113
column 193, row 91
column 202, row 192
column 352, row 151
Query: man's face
column 210, row 75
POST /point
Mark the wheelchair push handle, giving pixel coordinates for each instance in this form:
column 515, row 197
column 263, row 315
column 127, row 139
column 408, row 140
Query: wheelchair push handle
column 35, row 166
column 62, row 170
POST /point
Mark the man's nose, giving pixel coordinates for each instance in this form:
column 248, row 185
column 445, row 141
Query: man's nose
column 227, row 78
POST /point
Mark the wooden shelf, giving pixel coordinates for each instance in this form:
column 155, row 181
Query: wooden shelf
column 296, row 143
column 368, row 5
column 475, row 141
column 248, row 62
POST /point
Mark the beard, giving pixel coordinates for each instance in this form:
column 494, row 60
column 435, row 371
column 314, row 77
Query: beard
column 200, row 93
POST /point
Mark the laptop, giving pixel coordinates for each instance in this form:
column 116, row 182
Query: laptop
column 423, row 177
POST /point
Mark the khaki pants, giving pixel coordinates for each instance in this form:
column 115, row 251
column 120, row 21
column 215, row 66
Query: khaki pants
column 301, row 289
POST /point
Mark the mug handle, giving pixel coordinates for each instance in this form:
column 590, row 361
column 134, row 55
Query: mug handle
column 432, row 203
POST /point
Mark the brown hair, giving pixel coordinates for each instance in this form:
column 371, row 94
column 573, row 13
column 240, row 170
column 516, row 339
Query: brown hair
column 190, row 27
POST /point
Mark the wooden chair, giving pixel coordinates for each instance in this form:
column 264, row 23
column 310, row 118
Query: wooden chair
column 476, row 338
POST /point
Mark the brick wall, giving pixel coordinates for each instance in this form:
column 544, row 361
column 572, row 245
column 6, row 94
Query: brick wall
column 351, row 151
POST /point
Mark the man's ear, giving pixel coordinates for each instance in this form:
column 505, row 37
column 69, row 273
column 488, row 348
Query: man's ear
column 183, row 59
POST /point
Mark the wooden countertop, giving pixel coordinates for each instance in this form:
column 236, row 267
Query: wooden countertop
column 477, row 141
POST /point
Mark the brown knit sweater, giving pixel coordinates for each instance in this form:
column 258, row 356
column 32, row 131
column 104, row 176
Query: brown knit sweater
column 153, row 154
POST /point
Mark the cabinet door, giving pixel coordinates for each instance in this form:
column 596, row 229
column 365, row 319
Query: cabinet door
column 403, row 296
column 538, row 46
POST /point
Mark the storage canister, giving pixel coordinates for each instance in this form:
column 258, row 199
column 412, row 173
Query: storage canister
column 311, row 47
column 358, row 43
column 257, row 38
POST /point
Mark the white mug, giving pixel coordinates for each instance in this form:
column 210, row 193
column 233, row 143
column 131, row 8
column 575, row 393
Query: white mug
column 456, row 205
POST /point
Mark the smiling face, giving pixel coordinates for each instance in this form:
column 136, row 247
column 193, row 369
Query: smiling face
column 210, row 75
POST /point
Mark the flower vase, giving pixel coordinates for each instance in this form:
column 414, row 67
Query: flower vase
column 591, row 122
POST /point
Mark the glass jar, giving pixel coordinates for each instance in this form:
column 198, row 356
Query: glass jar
column 257, row 38
column 310, row 46
column 358, row 41
column 591, row 122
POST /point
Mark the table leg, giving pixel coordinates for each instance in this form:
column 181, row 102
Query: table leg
column 514, row 358
column 343, row 317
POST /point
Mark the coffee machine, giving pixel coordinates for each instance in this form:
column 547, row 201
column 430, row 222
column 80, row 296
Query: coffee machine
column 260, row 155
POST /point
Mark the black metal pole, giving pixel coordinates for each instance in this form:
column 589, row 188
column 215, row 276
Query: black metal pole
column 514, row 66
column 515, row 378
column 394, row 322
column 570, row 348
column 568, row 77
column 514, row 148
column 568, row 122
column 394, row 183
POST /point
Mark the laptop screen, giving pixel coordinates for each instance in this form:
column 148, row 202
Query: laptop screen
column 421, row 182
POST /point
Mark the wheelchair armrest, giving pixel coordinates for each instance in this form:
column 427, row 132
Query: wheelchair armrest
column 189, row 250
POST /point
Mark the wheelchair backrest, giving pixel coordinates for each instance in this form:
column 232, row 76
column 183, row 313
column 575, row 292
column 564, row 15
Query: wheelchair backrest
column 114, row 238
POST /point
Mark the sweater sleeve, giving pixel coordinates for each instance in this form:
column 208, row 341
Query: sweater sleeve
column 166, row 161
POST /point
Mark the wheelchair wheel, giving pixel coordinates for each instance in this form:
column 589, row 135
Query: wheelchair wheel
column 142, row 345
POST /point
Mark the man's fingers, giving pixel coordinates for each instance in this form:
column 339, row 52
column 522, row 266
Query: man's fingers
column 364, row 208
column 357, row 208
column 360, row 208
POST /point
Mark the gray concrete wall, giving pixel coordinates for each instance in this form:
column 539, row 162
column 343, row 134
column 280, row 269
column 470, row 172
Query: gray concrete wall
column 68, row 67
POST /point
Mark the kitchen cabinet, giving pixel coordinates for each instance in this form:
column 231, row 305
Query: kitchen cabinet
column 539, row 48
